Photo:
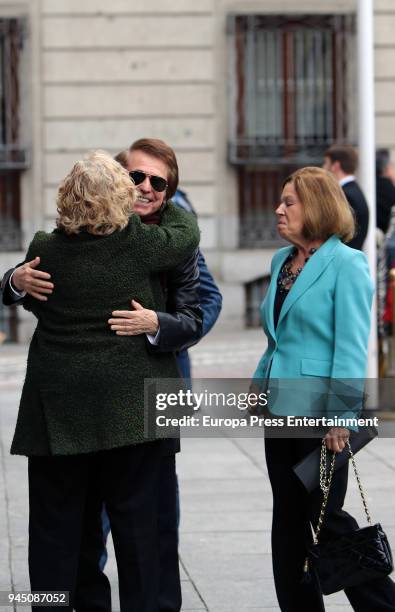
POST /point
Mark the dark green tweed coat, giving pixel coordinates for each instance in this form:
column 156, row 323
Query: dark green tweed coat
column 84, row 387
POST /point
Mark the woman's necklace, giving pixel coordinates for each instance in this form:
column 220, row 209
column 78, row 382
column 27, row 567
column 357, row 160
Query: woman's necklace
column 287, row 277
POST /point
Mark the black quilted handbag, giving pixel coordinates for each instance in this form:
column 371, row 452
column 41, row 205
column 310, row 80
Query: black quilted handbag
column 351, row 558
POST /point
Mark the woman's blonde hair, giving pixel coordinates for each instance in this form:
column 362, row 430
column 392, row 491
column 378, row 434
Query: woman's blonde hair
column 96, row 196
column 326, row 209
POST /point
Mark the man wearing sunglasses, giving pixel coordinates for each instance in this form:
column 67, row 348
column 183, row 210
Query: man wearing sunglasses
column 158, row 183
column 153, row 168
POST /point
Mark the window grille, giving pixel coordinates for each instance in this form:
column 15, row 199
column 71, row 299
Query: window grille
column 291, row 86
column 12, row 155
column 259, row 196
column 291, row 81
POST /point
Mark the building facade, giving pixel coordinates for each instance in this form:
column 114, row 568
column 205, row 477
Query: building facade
column 244, row 90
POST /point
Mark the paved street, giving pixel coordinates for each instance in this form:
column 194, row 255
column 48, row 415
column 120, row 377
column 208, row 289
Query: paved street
column 225, row 495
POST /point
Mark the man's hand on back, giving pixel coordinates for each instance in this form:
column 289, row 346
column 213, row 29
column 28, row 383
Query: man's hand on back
column 34, row 282
column 134, row 322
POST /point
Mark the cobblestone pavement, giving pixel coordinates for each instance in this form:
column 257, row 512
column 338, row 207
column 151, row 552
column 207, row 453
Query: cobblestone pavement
column 225, row 495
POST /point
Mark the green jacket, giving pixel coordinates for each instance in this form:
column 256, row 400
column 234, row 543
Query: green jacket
column 84, row 387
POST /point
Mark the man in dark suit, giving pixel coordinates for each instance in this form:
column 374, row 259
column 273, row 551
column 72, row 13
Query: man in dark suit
column 385, row 189
column 342, row 161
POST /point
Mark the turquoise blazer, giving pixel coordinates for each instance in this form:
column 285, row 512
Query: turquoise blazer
column 322, row 332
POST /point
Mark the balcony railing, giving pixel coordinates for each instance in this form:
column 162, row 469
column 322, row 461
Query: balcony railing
column 297, row 152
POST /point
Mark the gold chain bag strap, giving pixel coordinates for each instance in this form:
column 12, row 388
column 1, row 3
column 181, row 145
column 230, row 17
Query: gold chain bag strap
column 351, row 558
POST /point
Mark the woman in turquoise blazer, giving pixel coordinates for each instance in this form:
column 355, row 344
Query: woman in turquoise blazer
column 314, row 336
column 316, row 316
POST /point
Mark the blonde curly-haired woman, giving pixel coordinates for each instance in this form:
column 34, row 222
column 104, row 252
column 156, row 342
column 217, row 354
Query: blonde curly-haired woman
column 81, row 415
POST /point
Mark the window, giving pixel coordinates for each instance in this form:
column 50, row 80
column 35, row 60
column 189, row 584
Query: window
column 290, row 80
column 12, row 156
column 8, row 324
column 259, row 195
column 255, row 293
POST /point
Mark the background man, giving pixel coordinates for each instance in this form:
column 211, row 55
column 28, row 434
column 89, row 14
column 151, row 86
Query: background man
column 385, row 189
column 342, row 161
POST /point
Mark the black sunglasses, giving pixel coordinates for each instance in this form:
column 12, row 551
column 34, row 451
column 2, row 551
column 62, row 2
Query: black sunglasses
column 157, row 182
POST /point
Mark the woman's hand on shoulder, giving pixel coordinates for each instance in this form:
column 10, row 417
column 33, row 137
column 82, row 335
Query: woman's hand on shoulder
column 336, row 438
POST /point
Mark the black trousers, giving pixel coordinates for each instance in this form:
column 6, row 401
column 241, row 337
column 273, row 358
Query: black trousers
column 293, row 512
column 93, row 589
column 127, row 480
column 170, row 599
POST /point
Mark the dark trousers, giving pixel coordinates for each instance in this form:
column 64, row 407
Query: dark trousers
column 293, row 512
column 93, row 588
column 169, row 572
column 127, row 480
